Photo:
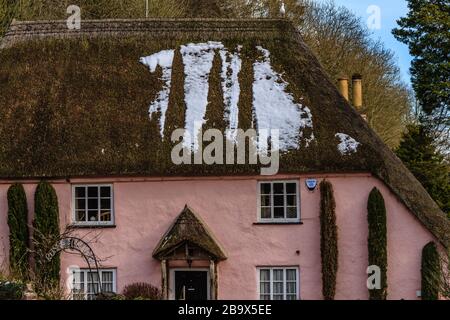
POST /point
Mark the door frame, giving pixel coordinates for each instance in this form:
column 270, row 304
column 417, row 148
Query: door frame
column 172, row 281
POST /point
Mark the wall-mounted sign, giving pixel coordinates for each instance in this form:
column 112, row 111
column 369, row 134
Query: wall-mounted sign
column 311, row 184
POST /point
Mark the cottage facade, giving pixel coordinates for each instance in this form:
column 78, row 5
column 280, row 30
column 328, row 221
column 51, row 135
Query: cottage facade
column 200, row 231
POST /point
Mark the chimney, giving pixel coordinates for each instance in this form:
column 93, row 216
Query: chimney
column 357, row 91
column 343, row 86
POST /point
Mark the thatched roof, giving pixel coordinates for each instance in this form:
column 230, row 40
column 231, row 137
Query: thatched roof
column 188, row 228
column 75, row 103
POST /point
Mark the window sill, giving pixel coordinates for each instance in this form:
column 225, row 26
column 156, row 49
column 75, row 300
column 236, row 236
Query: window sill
column 92, row 226
column 261, row 223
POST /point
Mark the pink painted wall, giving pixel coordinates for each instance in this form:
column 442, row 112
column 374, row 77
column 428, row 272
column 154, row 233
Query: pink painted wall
column 145, row 208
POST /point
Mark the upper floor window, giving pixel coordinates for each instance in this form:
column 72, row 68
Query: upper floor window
column 278, row 283
column 278, row 201
column 86, row 284
column 93, row 204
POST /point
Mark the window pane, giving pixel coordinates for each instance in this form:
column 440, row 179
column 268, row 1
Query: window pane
column 278, row 201
column 291, row 188
column 93, row 288
column 92, row 192
column 264, row 274
column 278, row 287
column 105, row 215
column 105, row 203
column 93, row 204
column 105, row 192
column 265, row 297
column 107, row 281
column 278, row 275
column 265, row 213
column 277, row 297
column 278, row 212
column 80, row 215
column 80, row 204
column 291, row 275
column 93, row 215
column 291, row 200
column 107, row 287
column 291, row 212
column 265, row 288
column 80, row 192
column 265, row 201
column 107, row 276
column 266, row 188
column 291, row 297
column 291, row 288
column 278, row 188
column 92, row 277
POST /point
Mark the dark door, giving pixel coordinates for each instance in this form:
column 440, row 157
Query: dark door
column 191, row 285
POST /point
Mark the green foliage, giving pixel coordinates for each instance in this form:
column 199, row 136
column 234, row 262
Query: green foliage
column 11, row 290
column 418, row 152
column 431, row 272
column 46, row 236
column 377, row 240
column 425, row 30
column 141, row 291
column 328, row 240
column 8, row 10
column 18, row 231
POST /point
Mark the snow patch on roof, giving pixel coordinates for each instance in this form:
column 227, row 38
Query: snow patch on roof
column 231, row 67
column 197, row 60
column 348, row 145
column 274, row 108
column 164, row 59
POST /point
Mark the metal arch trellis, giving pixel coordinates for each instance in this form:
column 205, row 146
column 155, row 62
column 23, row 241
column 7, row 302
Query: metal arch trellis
column 83, row 248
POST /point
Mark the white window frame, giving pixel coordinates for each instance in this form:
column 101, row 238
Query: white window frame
column 278, row 220
column 284, row 268
column 85, row 271
column 93, row 223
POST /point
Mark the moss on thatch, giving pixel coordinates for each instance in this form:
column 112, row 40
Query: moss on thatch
column 75, row 103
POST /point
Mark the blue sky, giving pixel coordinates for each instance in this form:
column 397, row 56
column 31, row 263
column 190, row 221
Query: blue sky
column 390, row 11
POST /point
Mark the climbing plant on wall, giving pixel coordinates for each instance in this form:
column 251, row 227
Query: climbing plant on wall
column 18, row 231
column 46, row 236
column 328, row 240
column 431, row 272
column 377, row 241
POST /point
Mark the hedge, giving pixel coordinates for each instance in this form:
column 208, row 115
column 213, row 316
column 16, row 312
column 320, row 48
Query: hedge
column 328, row 240
column 11, row 290
column 431, row 272
column 18, row 232
column 377, row 241
column 46, row 236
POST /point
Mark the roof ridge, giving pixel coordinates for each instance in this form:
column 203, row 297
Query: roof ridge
column 16, row 22
column 157, row 28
